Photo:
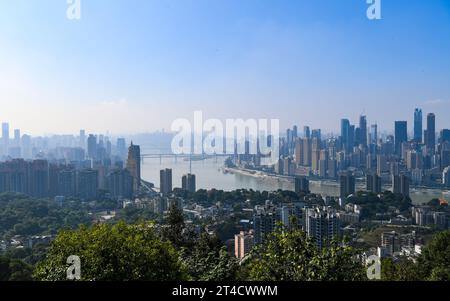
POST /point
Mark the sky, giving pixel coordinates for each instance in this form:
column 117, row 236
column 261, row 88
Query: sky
column 131, row 66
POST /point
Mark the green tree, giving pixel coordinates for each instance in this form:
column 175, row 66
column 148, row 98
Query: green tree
column 208, row 260
column 175, row 226
column 14, row 270
column 434, row 262
column 120, row 252
column 291, row 256
column 403, row 269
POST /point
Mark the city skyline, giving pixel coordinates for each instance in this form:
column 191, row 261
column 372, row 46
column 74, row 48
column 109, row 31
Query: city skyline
column 414, row 125
column 304, row 63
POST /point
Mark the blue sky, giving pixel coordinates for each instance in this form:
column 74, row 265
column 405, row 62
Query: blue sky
column 136, row 65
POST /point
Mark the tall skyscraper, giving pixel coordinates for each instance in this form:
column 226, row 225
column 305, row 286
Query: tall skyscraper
column 347, row 184
column 306, row 132
column 345, row 128
column 363, row 130
column 121, row 148
column 92, row 146
column 373, row 183
column 134, row 164
column 301, row 184
column 401, row 135
column 82, row 142
column 431, row 132
column 444, row 136
column 188, row 182
column 400, row 185
column 17, row 137
column 87, row 183
column 5, row 138
column 418, row 121
column 351, row 138
column 374, row 134
column 165, row 181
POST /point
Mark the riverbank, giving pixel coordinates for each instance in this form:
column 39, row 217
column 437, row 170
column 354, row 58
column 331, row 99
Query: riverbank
column 331, row 188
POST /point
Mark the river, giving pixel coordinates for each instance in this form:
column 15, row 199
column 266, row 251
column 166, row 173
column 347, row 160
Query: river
column 209, row 175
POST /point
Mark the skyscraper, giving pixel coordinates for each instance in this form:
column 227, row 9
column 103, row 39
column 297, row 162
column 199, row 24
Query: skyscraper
column 188, row 182
column 400, row 185
column 134, row 164
column 401, row 135
column 121, row 148
column 301, row 184
column 5, row 138
column 17, row 137
column 306, row 132
column 82, row 142
column 374, row 134
column 92, row 146
column 165, row 181
column 418, row 120
column 345, row 127
column 431, row 132
column 373, row 183
column 363, row 130
column 347, row 184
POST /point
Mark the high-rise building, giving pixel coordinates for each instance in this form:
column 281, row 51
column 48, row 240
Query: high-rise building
column 301, row 184
column 401, row 135
column 445, row 136
column 374, row 134
column 332, row 168
column 345, row 127
column 299, row 152
column 307, row 152
column 381, row 164
column 307, row 132
column 165, row 181
column 87, row 184
column 347, row 184
column 373, row 183
column 431, row 132
column 120, row 184
column 5, row 138
column 243, row 243
column 92, row 146
column 400, row 185
column 418, row 121
column 188, row 182
column 67, row 182
column 390, row 241
column 134, row 164
column 17, row 138
column 363, row 130
column 121, row 148
column 82, row 142
column 265, row 219
column 322, row 224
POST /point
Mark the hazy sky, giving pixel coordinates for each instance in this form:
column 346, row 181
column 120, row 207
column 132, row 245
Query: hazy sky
column 136, row 65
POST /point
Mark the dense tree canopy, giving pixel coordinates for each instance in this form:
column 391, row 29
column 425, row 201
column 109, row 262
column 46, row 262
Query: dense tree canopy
column 118, row 252
column 14, row 270
column 291, row 256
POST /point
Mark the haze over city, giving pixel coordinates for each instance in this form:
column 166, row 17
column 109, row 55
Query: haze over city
column 147, row 63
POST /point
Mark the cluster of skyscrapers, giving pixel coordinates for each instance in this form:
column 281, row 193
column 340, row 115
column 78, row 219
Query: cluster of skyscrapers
column 397, row 159
column 69, row 166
